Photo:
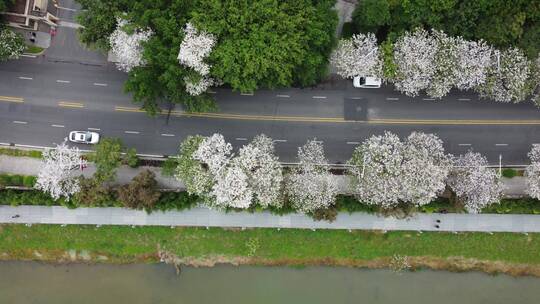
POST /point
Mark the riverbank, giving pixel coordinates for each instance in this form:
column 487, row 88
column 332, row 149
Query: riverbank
column 509, row 253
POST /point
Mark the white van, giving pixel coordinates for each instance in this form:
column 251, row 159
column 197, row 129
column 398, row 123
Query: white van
column 367, row 82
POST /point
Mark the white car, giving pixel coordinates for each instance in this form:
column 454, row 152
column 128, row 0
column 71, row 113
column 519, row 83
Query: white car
column 84, row 137
column 367, row 82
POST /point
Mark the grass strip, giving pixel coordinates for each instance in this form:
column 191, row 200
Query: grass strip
column 121, row 244
column 20, row 152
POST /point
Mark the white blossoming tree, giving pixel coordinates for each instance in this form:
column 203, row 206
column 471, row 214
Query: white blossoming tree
column 194, row 49
column 215, row 152
column 387, row 171
column 232, row 189
column 508, row 76
column 195, row 176
column 126, row 45
column 263, row 170
column 533, row 172
column 475, row 185
column 445, row 59
column 311, row 186
column 473, row 61
column 357, row 56
column 55, row 175
column 11, row 44
column 414, row 56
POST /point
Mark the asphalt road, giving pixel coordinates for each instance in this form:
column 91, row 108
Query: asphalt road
column 42, row 99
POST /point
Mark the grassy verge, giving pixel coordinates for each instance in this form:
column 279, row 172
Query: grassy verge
column 22, row 153
column 500, row 252
column 32, row 49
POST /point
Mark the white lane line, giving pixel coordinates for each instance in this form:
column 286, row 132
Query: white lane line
column 58, row 126
column 319, row 97
column 280, row 140
column 318, row 141
column 94, row 129
column 353, row 143
column 428, row 98
column 167, row 135
column 211, row 92
column 501, row 145
column 464, row 144
column 241, row 138
column 100, row 84
column 26, row 78
column 464, row 99
column 131, row 132
column 392, row 98
column 283, row 96
column 246, row 94
column 62, row 81
column 20, row 122
column 355, row 97
column 29, row 56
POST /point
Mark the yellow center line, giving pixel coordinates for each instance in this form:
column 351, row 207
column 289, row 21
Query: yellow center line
column 341, row 120
column 11, row 99
column 70, row 104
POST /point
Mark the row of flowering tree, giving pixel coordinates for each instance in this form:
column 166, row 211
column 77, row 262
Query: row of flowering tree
column 435, row 63
column 385, row 171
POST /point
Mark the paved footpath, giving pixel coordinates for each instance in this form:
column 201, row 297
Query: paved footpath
column 202, row 217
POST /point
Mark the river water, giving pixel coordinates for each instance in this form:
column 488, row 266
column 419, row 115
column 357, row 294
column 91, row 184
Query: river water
column 28, row 282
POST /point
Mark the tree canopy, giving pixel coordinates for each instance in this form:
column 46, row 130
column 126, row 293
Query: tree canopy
column 501, row 23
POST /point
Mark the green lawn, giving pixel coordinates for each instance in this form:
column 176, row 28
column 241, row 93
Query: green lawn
column 125, row 244
column 32, row 49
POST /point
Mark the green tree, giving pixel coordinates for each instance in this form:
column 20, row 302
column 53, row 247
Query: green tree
column 94, row 193
column 107, row 157
column 141, row 192
column 369, row 15
column 268, row 43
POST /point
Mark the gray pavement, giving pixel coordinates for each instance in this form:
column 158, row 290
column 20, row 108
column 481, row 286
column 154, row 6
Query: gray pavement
column 43, row 83
column 202, row 217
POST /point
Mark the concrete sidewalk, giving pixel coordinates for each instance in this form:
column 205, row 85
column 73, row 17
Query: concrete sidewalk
column 202, row 217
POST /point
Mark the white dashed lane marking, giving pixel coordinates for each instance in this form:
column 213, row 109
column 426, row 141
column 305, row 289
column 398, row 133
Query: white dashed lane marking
column 500, row 145
column 100, row 84
column 167, row 135
column 464, row 144
column 392, row 98
column 353, row 143
column 241, row 138
column 57, row 126
column 25, row 78
column 94, row 129
column 246, row 94
column 280, row 140
column 131, row 132
column 283, row 96
column 20, row 122
column 62, row 81
column 464, row 99
column 319, row 97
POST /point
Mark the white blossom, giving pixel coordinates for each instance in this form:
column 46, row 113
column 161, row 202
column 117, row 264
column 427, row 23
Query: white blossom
column 311, row 186
column 414, row 55
column 532, row 172
column 507, row 77
column 473, row 61
column 55, row 176
column 358, row 56
column 215, row 152
column 11, row 44
column 198, row 87
column 388, row 171
column 195, row 47
column 259, row 162
column 127, row 47
column 232, row 188
column 444, row 77
column 474, row 183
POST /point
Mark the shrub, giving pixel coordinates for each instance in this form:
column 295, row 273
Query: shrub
column 348, row 30
column 350, row 204
column 131, row 159
column 16, row 180
column 29, row 181
column 94, row 193
column 509, row 172
column 168, row 167
column 327, row 214
column 141, row 192
column 5, row 180
column 176, row 200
